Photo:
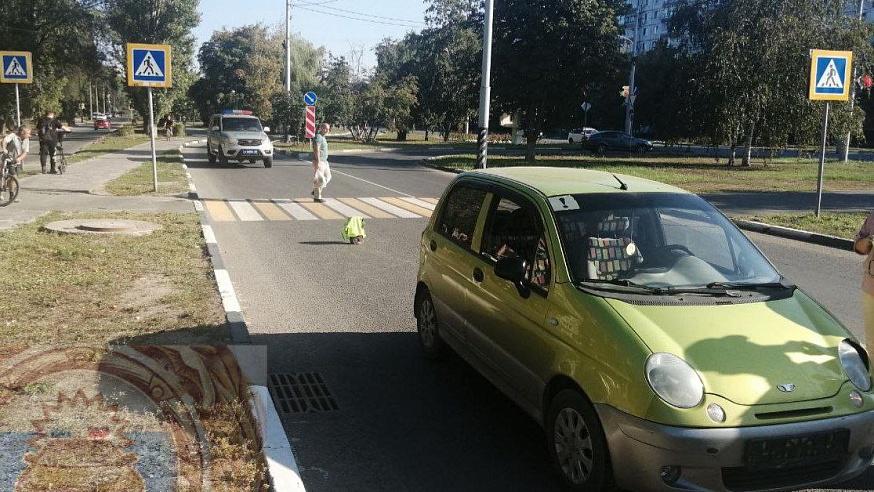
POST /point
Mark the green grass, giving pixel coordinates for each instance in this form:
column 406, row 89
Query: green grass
column 700, row 174
column 106, row 145
column 140, row 181
column 86, row 289
column 839, row 224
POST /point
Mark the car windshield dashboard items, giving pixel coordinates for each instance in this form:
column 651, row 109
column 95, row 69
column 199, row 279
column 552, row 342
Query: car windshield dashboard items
column 241, row 125
column 662, row 241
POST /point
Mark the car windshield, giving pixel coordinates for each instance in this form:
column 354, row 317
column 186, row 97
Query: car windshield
column 658, row 240
column 241, row 125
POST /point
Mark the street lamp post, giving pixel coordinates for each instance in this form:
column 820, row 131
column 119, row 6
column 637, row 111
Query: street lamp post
column 288, row 46
column 852, row 92
column 629, row 98
column 485, row 90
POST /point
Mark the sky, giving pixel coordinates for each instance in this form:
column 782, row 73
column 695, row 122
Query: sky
column 341, row 26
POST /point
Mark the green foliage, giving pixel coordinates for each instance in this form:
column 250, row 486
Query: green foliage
column 126, row 130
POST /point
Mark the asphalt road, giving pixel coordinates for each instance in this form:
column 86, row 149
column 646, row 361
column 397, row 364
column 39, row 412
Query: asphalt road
column 343, row 313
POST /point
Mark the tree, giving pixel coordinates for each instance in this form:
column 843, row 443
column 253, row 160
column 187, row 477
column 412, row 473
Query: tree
column 546, row 51
column 337, row 99
column 155, row 22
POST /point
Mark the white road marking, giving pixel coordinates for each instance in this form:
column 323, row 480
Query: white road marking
column 244, row 210
column 198, row 206
column 209, row 235
column 226, row 290
column 344, row 209
column 416, row 201
column 370, row 182
column 390, row 208
column 295, row 210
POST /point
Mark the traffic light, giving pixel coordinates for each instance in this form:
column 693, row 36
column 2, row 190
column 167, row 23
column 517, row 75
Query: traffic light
column 624, row 91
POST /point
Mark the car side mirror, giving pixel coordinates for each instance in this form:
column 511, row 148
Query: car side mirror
column 514, row 270
column 266, row 129
column 215, row 129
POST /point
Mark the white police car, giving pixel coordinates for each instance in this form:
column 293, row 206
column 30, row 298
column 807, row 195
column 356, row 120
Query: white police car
column 238, row 135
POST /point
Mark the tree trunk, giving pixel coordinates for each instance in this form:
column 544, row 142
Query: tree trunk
column 529, row 149
column 402, row 135
column 748, row 147
column 427, row 134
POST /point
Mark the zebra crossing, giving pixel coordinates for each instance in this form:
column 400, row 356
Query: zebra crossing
column 287, row 209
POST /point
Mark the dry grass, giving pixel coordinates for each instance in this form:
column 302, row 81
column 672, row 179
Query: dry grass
column 838, row 224
column 140, row 180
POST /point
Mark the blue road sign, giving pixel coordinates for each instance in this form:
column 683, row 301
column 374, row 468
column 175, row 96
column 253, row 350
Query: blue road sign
column 830, row 75
column 15, row 67
column 149, row 65
column 310, row 98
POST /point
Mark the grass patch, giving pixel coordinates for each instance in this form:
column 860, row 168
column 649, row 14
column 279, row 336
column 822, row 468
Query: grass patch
column 840, row 224
column 140, row 180
column 89, row 289
column 106, row 145
column 700, row 174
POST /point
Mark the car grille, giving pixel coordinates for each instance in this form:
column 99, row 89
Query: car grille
column 249, row 142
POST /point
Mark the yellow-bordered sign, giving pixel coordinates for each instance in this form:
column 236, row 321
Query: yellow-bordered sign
column 830, row 75
column 148, row 65
column 16, row 67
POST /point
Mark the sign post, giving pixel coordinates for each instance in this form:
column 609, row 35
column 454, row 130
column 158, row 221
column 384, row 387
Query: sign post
column 586, row 106
column 310, row 100
column 16, row 68
column 148, row 65
column 829, row 81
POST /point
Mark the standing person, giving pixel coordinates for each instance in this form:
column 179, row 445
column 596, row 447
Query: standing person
column 864, row 245
column 321, row 168
column 168, row 126
column 47, row 131
column 16, row 145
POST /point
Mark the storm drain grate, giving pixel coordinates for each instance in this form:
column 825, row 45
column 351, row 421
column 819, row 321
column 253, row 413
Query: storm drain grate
column 302, row 392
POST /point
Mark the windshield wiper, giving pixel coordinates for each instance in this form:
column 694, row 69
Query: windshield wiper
column 750, row 286
column 628, row 284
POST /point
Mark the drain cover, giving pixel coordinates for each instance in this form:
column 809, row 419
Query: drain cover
column 102, row 226
column 302, row 392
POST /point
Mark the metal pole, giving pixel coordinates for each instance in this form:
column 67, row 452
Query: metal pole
column 629, row 104
column 821, row 162
column 90, row 100
column 852, row 93
column 152, row 139
column 17, row 105
column 288, row 46
column 485, row 90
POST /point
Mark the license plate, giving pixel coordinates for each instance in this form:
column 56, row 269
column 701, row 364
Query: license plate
column 248, row 152
column 790, row 452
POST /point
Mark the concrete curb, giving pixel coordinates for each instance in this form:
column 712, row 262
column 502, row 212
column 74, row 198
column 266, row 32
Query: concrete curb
column 748, row 225
column 796, row 234
column 281, row 464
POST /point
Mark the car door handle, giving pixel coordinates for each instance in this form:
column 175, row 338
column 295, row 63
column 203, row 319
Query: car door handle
column 478, row 275
column 433, row 245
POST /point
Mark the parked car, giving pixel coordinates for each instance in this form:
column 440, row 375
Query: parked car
column 238, row 135
column 102, row 124
column 578, row 135
column 601, row 142
column 96, row 115
column 656, row 345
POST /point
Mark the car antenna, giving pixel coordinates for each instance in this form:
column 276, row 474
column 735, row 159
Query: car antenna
column 623, row 185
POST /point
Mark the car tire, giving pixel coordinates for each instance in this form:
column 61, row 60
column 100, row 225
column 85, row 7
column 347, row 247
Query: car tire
column 602, row 149
column 210, row 155
column 429, row 328
column 577, row 446
column 641, row 149
column 570, row 141
column 268, row 162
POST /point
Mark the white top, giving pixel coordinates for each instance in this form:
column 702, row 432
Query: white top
column 14, row 146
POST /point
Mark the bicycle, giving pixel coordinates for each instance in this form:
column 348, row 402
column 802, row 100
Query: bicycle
column 8, row 182
column 60, row 157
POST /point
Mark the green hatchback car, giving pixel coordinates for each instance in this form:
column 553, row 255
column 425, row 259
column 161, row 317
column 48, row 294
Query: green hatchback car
column 656, row 345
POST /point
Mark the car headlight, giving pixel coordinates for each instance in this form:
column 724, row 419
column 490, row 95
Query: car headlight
column 854, row 365
column 674, row 380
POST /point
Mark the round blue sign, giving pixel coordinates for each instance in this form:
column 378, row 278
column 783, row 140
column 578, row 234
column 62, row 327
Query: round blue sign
column 310, row 98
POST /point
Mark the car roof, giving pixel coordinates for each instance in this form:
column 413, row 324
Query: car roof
column 554, row 181
column 250, row 116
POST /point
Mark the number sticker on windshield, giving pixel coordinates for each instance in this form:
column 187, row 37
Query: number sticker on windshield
column 566, row 202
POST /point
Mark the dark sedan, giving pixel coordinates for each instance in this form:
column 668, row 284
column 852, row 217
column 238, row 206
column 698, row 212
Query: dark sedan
column 603, row 141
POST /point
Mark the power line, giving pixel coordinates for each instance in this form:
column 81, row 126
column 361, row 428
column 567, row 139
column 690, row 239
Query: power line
column 391, row 21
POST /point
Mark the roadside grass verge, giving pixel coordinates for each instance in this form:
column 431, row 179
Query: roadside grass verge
column 140, row 180
column 840, row 224
column 88, row 289
column 698, row 174
column 107, row 144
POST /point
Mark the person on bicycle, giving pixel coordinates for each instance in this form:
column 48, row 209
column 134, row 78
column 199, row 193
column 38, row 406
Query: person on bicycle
column 16, row 145
column 47, row 129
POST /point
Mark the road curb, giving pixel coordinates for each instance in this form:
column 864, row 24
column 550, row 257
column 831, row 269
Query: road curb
column 281, row 463
column 796, row 234
column 430, row 162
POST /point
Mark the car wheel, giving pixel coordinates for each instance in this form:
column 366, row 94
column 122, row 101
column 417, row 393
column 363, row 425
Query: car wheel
column 210, row 155
column 641, row 149
column 429, row 327
column 577, row 446
column 222, row 158
column 268, row 162
column 570, row 141
column 602, row 149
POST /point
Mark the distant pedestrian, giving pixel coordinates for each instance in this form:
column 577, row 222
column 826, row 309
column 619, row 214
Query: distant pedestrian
column 47, row 130
column 864, row 245
column 168, row 126
column 16, row 145
column 321, row 168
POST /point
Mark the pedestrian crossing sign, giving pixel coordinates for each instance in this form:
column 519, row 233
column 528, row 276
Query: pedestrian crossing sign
column 148, row 65
column 15, row 67
column 830, row 75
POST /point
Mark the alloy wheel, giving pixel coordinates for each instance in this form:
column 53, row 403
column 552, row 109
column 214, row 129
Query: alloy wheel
column 573, row 446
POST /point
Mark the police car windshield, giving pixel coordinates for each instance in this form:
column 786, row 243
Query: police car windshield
column 240, row 125
column 660, row 240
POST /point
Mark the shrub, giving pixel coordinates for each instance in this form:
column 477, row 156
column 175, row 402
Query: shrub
column 126, row 130
column 179, row 129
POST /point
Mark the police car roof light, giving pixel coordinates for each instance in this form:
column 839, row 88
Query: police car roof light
column 236, row 111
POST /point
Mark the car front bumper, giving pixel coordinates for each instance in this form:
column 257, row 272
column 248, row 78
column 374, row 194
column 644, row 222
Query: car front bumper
column 714, row 459
column 242, row 153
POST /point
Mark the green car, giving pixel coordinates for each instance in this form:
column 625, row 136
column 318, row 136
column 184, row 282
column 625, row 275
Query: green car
column 656, row 345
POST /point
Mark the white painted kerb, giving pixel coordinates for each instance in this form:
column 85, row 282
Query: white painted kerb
column 284, row 473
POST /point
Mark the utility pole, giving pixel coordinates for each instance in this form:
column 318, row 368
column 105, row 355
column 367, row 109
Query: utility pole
column 629, row 99
column 90, row 100
column 288, row 46
column 852, row 94
column 485, row 90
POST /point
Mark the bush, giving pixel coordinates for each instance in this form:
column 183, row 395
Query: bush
column 179, row 129
column 126, row 130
